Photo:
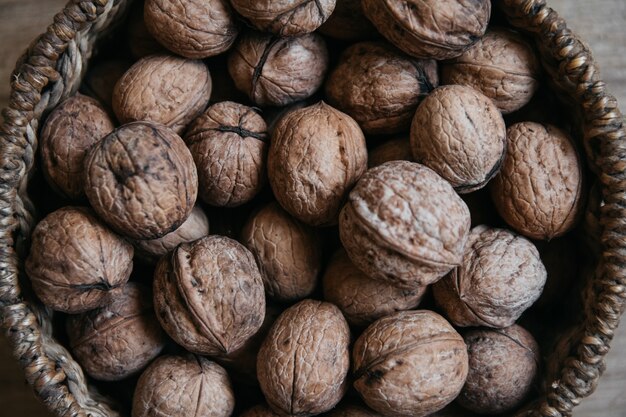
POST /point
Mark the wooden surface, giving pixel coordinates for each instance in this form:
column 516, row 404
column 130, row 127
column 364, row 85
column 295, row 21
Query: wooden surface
column 602, row 23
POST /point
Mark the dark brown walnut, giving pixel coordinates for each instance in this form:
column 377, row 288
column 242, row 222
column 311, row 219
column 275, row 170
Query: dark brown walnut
column 276, row 71
column 141, row 180
column 303, row 363
column 500, row 277
column 437, row 29
column 208, row 295
column 100, row 80
column 502, row 66
column 316, row 155
column 461, row 135
column 140, row 41
column 119, row 339
column 502, row 367
column 352, row 411
column 71, row 129
column 178, row 386
column 397, row 149
column 164, row 89
column 75, row 262
column 229, row 146
column 192, row 28
column 404, row 224
column 348, row 22
column 260, row 410
column 538, row 191
column 379, row 86
column 412, row 363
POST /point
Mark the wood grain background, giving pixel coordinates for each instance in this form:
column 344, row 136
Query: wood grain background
column 602, row 23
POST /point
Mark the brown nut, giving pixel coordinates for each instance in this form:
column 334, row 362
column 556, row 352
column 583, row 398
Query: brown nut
column 316, row 155
column 538, row 191
column 397, row 149
column 411, row 363
column 348, row 23
column 183, row 386
column 260, row 410
column 303, row 363
column 164, row 89
column 72, row 128
column 460, row 134
column 289, row 253
column 208, row 295
column 229, row 146
column 437, row 29
column 141, row 180
column 100, row 81
column 119, row 339
column 404, row 224
column 278, row 71
column 379, row 86
column 75, row 261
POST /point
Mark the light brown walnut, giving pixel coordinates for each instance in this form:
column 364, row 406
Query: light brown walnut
column 396, row 149
column 348, row 23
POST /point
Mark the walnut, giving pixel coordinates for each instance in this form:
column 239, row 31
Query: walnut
column 437, row 29
column 229, row 146
column 316, row 155
column 361, row 299
column 348, row 23
column 119, row 339
column 410, row 363
column 71, row 129
column 289, row 253
column 208, row 295
column 100, row 81
column 461, row 135
column 404, row 224
column 183, row 386
column 538, row 191
column 141, row 180
column 352, row 411
column 502, row 66
column 303, row 363
column 379, row 86
column 192, row 28
column 260, row 410
column 164, row 89
column 75, row 262
column 397, row 149
column 500, row 277
column 278, row 71
column 285, row 17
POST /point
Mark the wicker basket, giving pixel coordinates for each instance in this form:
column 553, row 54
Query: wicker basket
column 52, row 69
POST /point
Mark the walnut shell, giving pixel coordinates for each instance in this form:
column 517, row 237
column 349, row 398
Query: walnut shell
column 411, row 363
column 303, row 363
column 229, row 146
column 404, row 224
column 260, row 410
column 278, row 71
column 379, row 86
column 141, row 180
column 352, row 411
column 75, row 262
column 119, row 339
column 164, row 89
column 538, row 191
column 71, row 129
column 209, row 295
column 500, row 277
column 100, row 81
column 461, row 135
column 316, row 155
column 398, row 149
column 348, row 23
column 437, row 29
column 183, row 386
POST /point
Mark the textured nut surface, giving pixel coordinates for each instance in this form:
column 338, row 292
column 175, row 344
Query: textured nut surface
column 208, row 295
column 352, row 411
column 278, row 71
column 260, row 410
column 164, row 89
column 101, row 79
column 398, row 149
column 379, row 86
column 316, row 155
column 118, row 339
column 404, row 224
column 141, row 180
column 348, row 23
column 75, row 261
column 500, row 277
column 303, row 363
column 229, row 146
column 411, row 363
column 438, row 29
column 460, row 134
column 538, row 191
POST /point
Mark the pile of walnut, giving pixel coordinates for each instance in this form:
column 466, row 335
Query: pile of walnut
column 271, row 298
